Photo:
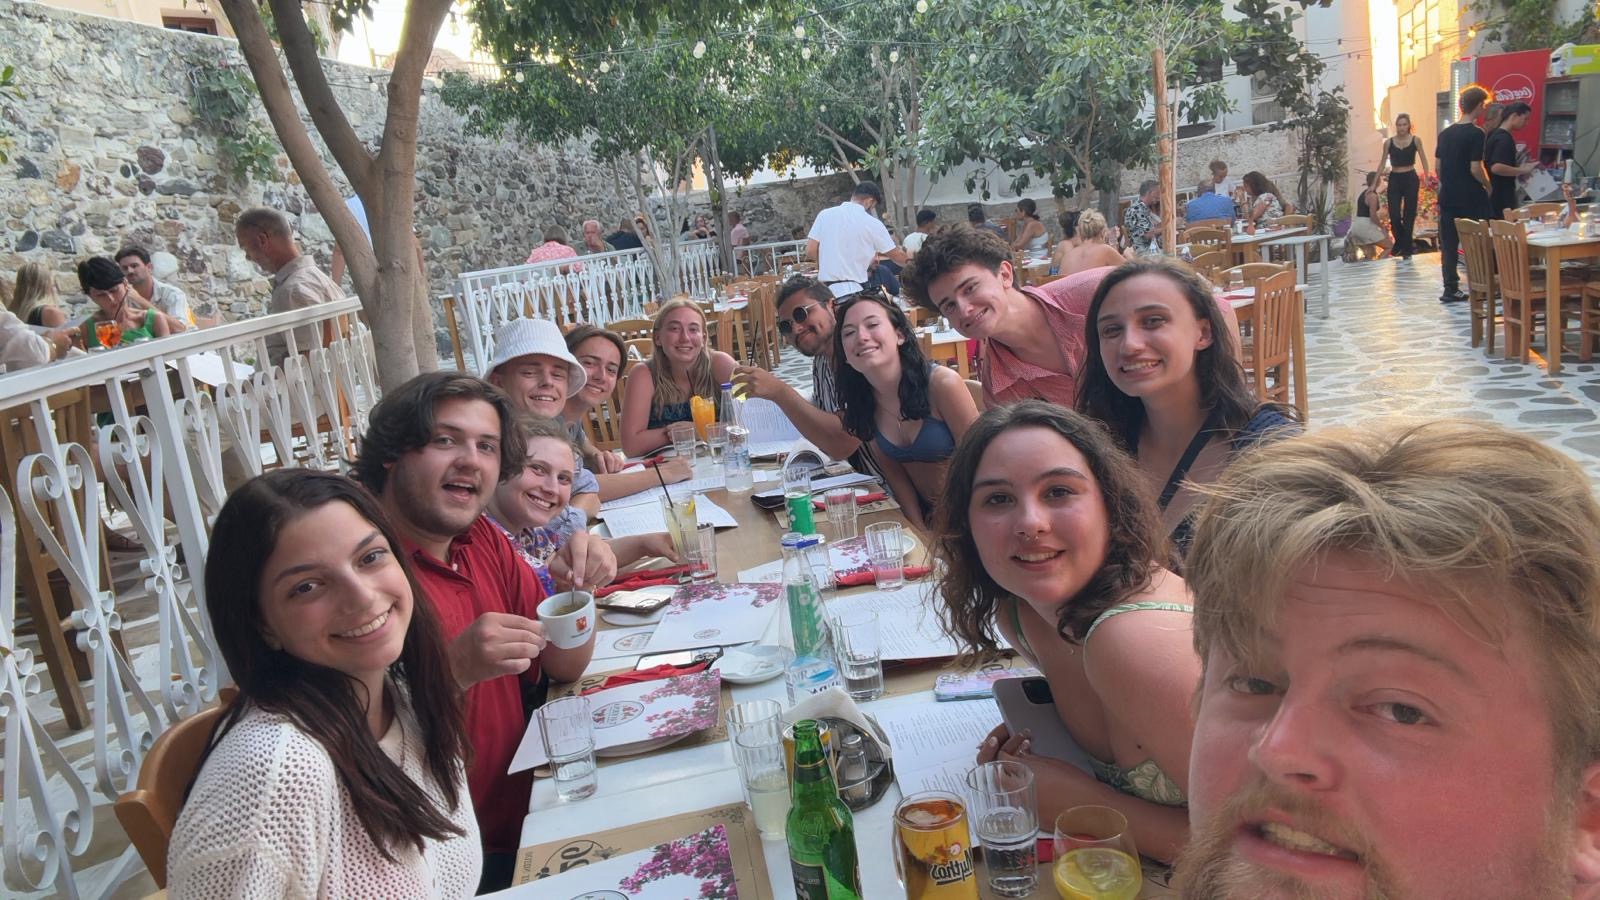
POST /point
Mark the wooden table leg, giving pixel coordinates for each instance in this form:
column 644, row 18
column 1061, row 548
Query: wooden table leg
column 1554, row 320
column 1298, row 348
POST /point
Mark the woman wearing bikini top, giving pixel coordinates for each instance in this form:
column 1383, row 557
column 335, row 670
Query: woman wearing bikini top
column 1401, row 156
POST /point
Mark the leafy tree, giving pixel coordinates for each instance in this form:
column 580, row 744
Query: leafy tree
column 1058, row 89
column 8, row 88
column 1533, row 24
column 387, row 272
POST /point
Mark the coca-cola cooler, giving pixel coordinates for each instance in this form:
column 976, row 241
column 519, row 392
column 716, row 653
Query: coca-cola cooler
column 1565, row 122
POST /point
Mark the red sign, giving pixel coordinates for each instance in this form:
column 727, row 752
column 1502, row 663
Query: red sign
column 1513, row 77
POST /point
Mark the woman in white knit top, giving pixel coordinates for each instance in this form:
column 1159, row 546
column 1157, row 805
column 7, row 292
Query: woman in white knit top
column 338, row 770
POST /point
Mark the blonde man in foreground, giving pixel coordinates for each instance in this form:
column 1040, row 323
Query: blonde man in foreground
column 1400, row 633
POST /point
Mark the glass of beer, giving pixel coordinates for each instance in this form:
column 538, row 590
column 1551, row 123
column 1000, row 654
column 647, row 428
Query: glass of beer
column 1095, row 858
column 933, row 848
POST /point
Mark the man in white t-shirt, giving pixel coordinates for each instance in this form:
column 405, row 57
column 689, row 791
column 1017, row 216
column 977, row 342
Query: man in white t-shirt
column 927, row 223
column 846, row 238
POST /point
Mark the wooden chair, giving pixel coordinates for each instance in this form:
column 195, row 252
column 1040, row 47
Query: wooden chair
column 1525, row 297
column 731, row 337
column 644, row 347
column 632, row 329
column 766, row 344
column 1198, row 236
column 1589, row 321
column 604, row 422
column 1254, row 272
column 1532, row 211
column 1292, row 222
column 149, row 811
column 454, row 328
column 1276, row 317
column 1481, row 288
column 1210, row 263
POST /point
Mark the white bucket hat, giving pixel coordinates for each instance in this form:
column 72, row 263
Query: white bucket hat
column 536, row 337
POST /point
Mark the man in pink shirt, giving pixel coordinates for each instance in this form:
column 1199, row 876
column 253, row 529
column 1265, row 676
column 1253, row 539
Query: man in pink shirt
column 1031, row 338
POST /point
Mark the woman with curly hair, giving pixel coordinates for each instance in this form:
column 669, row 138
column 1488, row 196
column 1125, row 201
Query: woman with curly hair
column 1047, row 538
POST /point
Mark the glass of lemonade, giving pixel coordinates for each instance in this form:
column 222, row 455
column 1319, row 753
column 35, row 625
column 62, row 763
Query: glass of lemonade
column 760, row 755
column 1095, row 858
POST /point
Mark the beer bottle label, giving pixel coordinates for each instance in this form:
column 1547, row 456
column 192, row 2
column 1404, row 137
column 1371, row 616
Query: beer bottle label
column 810, row 882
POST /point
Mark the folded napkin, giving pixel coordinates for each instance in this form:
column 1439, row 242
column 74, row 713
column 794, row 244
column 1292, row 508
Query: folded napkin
column 861, row 500
column 653, row 461
column 643, row 578
column 659, row 672
column 858, row 579
column 834, row 703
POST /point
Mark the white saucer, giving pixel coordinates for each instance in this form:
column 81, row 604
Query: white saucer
column 752, row 664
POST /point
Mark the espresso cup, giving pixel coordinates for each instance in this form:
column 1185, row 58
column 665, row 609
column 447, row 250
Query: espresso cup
column 568, row 618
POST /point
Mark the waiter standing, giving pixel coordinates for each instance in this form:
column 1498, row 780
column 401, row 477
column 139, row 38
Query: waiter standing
column 846, row 238
column 1463, row 186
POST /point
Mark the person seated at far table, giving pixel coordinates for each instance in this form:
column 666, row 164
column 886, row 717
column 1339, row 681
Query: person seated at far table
column 34, row 298
column 337, row 771
column 1399, row 629
column 1031, row 338
column 912, row 410
column 555, row 247
column 1162, row 372
column 1047, row 537
column 533, row 366
column 1094, row 248
column 683, row 365
column 1032, row 237
column 102, row 279
column 434, row 450
column 1208, row 205
column 1265, row 204
column 147, row 291
column 524, row 505
column 600, row 353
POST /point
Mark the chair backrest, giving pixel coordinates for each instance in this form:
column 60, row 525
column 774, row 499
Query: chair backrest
column 1210, row 263
column 639, row 350
column 604, row 423
column 1275, row 318
column 149, row 812
column 1206, row 236
column 731, row 337
column 632, row 329
column 1532, row 211
column 1479, row 248
column 766, row 344
column 1510, row 241
column 1292, row 222
column 1254, row 272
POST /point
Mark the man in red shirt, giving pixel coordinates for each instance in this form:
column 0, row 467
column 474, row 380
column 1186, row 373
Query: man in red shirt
column 434, row 451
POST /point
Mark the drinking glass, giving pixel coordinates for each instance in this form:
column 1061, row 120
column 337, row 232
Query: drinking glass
column 933, row 847
column 1550, row 220
column 682, row 522
column 858, row 645
column 742, row 717
column 567, row 731
column 760, row 756
column 1005, row 817
column 1235, row 279
column 1095, row 858
column 108, row 333
column 702, row 555
column 841, row 506
column 683, row 439
column 886, row 549
column 797, row 497
column 716, row 440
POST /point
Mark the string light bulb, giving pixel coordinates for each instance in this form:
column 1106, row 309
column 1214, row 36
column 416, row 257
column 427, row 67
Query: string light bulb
column 805, row 52
column 519, row 76
column 972, row 58
column 605, row 66
column 699, row 49
column 822, row 108
column 922, row 6
column 894, row 56
column 799, row 32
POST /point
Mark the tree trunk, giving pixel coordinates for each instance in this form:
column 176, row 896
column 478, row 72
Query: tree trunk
column 1165, row 157
column 718, row 195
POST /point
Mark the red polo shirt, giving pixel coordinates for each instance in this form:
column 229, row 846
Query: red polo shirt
column 486, row 575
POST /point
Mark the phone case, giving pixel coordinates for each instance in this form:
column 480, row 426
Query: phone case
column 1050, row 737
column 974, row 685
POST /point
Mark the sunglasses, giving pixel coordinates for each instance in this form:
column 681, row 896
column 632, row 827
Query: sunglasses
column 786, row 326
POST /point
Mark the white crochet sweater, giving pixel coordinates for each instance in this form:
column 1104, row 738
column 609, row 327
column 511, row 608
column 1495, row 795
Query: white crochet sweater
column 268, row 818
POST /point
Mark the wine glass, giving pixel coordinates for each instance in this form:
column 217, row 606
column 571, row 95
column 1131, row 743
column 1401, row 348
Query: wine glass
column 1095, row 858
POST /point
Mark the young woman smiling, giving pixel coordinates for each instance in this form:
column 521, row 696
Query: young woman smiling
column 912, row 410
column 338, row 770
column 1048, row 538
column 681, row 367
column 1162, row 375
column 523, row 506
column 601, row 352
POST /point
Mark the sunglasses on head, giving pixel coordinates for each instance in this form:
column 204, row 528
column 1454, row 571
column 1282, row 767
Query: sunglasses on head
column 786, row 326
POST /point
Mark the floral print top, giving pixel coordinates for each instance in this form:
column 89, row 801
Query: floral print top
column 536, row 546
column 1138, row 221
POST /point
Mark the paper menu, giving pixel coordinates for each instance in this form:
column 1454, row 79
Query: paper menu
column 617, row 643
column 695, row 865
column 909, row 624
column 647, row 518
column 771, row 432
column 634, row 713
column 936, row 744
column 715, row 613
column 714, row 482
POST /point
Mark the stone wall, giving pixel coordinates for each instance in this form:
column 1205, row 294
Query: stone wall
column 106, row 151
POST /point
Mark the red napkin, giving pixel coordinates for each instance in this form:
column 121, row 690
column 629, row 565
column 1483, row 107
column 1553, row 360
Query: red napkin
column 643, row 578
column 861, row 500
column 858, row 579
column 659, row 672
column 653, row 461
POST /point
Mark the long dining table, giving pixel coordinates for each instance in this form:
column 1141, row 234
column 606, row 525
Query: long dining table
column 1553, row 247
column 681, row 780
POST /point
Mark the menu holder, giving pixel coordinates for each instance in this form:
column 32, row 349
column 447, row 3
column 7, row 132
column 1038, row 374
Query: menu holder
column 713, row 735
column 744, row 845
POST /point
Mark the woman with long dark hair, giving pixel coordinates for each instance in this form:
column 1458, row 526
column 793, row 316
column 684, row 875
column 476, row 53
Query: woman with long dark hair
column 1162, row 374
column 1265, row 203
column 338, row 770
column 1047, row 537
column 1401, row 156
column 912, row 410
column 1032, row 237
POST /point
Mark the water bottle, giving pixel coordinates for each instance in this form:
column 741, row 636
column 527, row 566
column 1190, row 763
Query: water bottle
column 809, row 664
column 737, row 474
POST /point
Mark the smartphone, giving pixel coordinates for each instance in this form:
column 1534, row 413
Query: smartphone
column 1027, row 704
column 634, row 602
column 679, row 658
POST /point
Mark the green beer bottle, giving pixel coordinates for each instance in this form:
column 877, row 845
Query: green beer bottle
column 821, row 835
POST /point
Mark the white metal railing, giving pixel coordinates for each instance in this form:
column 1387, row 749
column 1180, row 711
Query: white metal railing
column 183, row 410
column 600, row 288
column 770, row 254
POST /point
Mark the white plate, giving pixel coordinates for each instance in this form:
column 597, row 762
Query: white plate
column 750, row 665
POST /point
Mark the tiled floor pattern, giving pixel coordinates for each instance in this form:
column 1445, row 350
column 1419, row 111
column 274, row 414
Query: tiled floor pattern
column 1389, row 348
